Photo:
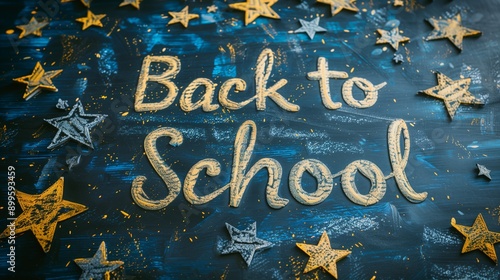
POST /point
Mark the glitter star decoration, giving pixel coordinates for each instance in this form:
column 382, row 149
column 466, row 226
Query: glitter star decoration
column 392, row 37
column 212, row 9
column 41, row 212
column 33, row 27
column 452, row 29
column 339, row 5
column 310, row 27
column 76, row 125
column 256, row 8
column 483, row 171
column 38, row 80
column 183, row 17
column 244, row 242
column 91, row 19
column 453, row 93
column 478, row 237
column 322, row 255
column 97, row 267
column 133, row 3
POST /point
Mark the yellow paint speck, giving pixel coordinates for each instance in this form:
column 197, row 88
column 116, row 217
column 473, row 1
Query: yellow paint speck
column 9, row 31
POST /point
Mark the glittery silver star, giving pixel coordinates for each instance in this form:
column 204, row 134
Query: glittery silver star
column 97, row 267
column 310, row 27
column 244, row 242
column 76, row 125
column 483, row 171
column 398, row 58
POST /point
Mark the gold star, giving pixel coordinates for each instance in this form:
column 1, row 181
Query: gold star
column 134, row 3
column 97, row 267
column 212, row 9
column 91, row 19
column 38, row 80
column 452, row 29
column 183, row 17
column 322, row 255
column 478, row 237
column 453, row 93
column 41, row 212
column 398, row 3
column 338, row 5
column 256, row 8
column 33, row 27
column 86, row 3
column 392, row 37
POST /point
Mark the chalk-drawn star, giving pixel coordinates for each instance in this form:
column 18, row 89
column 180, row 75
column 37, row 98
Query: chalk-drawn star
column 41, row 212
column 453, row 93
column 338, row 5
column 244, row 242
column 478, row 237
column 452, row 29
column 398, row 58
column 183, row 17
column 134, row 3
column 322, row 255
column 483, row 171
column 256, row 8
column 76, row 125
column 97, row 267
column 398, row 3
column 91, row 19
column 38, row 80
column 73, row 161
column 33, row 27
column 212, row 9
column 62, row 104
column 392, row 37
column 310, row 27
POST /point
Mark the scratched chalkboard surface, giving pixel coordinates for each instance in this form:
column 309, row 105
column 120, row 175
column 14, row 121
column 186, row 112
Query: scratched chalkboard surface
column 256, row 139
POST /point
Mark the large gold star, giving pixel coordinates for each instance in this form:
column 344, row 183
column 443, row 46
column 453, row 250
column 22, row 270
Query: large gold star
column 134, row 3
column 41, row 212
column 256, row 8
column 452, row 29
column 91, row 19
column 38, row 80
column 322, row 255
column 97, row 267
column 478, row 237
column 338, row 5
column 183, row 17
column 392, row 37
column 453, row 93
column 33, row 27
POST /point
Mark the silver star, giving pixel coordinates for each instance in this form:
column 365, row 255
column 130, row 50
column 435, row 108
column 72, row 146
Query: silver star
column 73, row 161
column 398, row 58
column 310, row 27
column 244, row 242
column 76, row 125
column 62, row 104
column 97, row 267
column 483, row 171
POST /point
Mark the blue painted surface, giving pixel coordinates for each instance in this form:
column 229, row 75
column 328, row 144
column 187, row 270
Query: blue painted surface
column 393, row 239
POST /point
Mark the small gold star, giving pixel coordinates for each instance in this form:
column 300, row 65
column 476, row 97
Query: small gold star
column 453, row 93
column 212, row 9
column 392, row 37
column 256, row 8
column 41, row 212
column 398, row 3
column 322, row 255
column 478, row 237
column 134, row 3
column 38, row 80
column 338, row 5
column 97, row 267
column 33, row 27
column 91, row 19
column 183, row 17
column 452, row 29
